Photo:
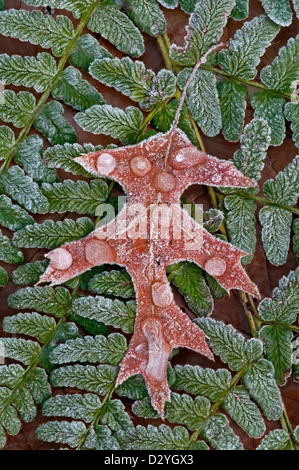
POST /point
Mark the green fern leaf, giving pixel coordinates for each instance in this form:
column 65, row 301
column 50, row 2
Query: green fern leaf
column 28, row 71
column 29, row 156
column 278, row 349
column 191, row 284
column 233, row 104
column 270, row 108
column 244, row 412
column 79, row 197
column 24, row 404
column 32, row 324
column 86, row 51
column 151, row 438
column 164, row 118
column 51, row 123
column 205, row 29
column 111, row 312
column 24, row 190
column 29, row 274
column 17, row 109
column 25, row 351
column 110, row 350
column 8, row 252
column 76, row 92
column 284, row 69
column 247, row 47
column 63, row 156
column 230, row 345
column 70, row 433
column 218, row 433
column 188, row 5
column 276, row 222
column 89, row 378
column 241, row 10
column 146, row 88
column 38, row 385
column 296, row 237
column 260, row 382
column 115, row 416
column 117, row 283
column 7, row 141
column 78, row 7
column 283, row 308
column 3, row 277
column 279, row 11
column 123, row 125
column 37, row 28
column 291, row 111
column 84, row 407
column 117, row 28
column 13, row 216
column 147, row 15
column 203, row 100
column 51, row 234
column 275, row 440
column 240, row 224
column 43, row 299
column 133, row 388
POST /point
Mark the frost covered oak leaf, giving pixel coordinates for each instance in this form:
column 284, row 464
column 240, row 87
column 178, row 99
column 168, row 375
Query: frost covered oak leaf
column 154, row 174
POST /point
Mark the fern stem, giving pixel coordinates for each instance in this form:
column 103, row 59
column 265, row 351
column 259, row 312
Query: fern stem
column 164, row 52
column 43, row 99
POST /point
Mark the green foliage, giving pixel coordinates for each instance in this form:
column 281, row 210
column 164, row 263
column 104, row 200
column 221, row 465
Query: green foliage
column 279, row 11
column 29, row 155
column 203, row 100
column 29, row 274
column 117, row 283
column 51, row 234
column 79, row 196
column 146, row 14
column 117, row 28
column 233, row 106
column 86, row 51
column 108, row 350
column 17, row 109
column 146, row 88
column 119, row 124
column 63, row 156
column 53, row 125
column 76, row 92
column 191, row 284
column 246, row 390
column 279, row 314
column 276, row 221
column 23, row 190
column 112, row 312
column 247, row 47
column 205, row 29
column 50, row 33
column 28, row 71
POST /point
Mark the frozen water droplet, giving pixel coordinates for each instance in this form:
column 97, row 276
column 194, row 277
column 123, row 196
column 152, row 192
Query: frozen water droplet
column 140, row 166
column 99, row 252
column 106, row 163
column 161, row 293
column 186, row 158
column 215, row 266
column 165, row 182
column 61, row 259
